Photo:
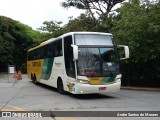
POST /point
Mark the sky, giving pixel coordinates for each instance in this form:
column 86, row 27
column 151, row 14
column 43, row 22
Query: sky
column 34, row 12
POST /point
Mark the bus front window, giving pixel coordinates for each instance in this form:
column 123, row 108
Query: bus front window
column 88, row 61
column 109, row 61
column 97, row 62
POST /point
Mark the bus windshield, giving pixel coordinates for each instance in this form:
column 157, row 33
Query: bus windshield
column 97, row 61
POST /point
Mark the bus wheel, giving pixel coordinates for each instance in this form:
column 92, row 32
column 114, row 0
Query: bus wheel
column 32, row 77
column 60, row 86
column 35, row 80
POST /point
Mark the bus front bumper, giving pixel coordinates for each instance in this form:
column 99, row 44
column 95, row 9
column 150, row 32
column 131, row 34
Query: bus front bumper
column 87, row 88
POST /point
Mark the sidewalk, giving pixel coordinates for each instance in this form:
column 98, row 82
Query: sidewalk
column 3, row 78
column 11, row 78
column 140, row 88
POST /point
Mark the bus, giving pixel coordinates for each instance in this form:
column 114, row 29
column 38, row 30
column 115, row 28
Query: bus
column 78, row 63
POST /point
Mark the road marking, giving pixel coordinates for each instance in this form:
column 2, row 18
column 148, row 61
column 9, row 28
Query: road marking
column 64, row 118
column 11, row 108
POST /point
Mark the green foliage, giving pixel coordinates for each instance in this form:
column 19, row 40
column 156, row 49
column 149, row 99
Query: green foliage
column 15, row 38
column 138, row 29
column 50, row 26
column 92, row 7
column 6, row 50
column 53, row 28
column 138, row 26
column 81, row 23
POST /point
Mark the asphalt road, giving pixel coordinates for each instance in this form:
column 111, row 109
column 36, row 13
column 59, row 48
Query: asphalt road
column 23, row 95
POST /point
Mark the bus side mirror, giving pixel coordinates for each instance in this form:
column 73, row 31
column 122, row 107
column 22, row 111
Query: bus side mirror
column 75, row 52
column 126, row 50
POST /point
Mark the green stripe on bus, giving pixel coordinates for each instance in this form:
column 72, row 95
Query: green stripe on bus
column 47, row 68
column 108, row 79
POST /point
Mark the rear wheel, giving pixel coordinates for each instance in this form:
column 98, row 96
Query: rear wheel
column 32, row 77
column 60, row 86
column 35, row 80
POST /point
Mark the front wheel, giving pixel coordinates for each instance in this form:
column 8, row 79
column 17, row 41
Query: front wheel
column 60, row 87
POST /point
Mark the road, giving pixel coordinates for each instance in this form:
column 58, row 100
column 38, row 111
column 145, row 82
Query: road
column 23, row 95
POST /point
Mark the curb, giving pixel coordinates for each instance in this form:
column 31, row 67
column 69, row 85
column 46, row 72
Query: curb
column 140, row 88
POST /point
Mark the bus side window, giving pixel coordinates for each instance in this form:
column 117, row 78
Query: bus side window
column 41, row 53
column 47, row 51
column 68, row 55
column 38, row 53
column 49, row 48
column 34, row 55
column 58, row 48
column 56, row 51
column 53, row 50
column 44, row 52
column 31, row 55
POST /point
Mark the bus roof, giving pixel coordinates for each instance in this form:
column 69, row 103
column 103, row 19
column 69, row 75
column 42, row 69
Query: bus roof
column 70, row 33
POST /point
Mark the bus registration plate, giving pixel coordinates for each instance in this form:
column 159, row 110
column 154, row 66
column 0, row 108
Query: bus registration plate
column 102, row 88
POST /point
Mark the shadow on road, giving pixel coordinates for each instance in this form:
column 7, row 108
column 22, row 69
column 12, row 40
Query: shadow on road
column 46, row 87
column 78, row 96
column 92, row 96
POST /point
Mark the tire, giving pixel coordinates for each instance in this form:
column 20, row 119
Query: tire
column 35, row 80
column 60, row 86
column 32, row 77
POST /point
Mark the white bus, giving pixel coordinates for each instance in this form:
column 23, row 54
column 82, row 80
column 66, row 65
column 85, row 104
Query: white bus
column 77, row 62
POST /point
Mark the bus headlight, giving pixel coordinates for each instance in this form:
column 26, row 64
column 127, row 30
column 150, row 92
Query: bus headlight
column 118, row 78
column 83, row 81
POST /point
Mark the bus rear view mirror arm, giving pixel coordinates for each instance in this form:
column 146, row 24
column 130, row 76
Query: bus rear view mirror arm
column 126, row 50
column 75, row 52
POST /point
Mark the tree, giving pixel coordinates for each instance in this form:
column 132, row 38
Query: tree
column 50, row 26
column 82, row 23
column 137, row 25
column 133, row 28
column 15, row 38
column 53, row 27
column 100, row 7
